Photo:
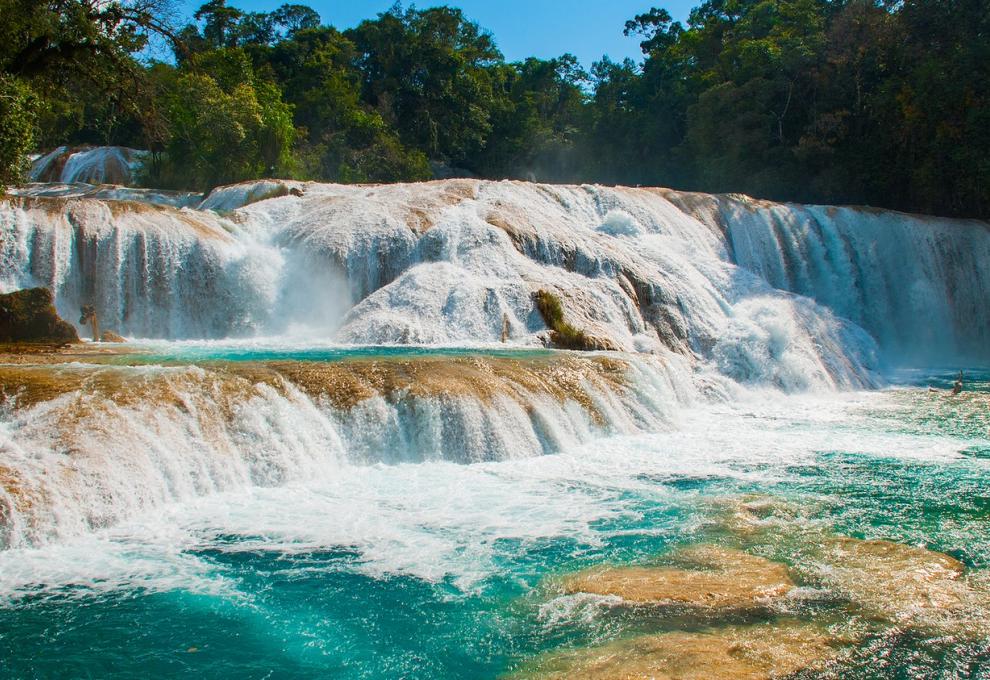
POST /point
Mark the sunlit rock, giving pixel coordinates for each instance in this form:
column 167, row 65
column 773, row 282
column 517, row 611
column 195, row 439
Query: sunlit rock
column 710, row 577
column 758, row 652
column 892, row 581
column 889, row 583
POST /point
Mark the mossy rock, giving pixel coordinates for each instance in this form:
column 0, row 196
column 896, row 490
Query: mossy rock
column 29, row 316
column 562, row 334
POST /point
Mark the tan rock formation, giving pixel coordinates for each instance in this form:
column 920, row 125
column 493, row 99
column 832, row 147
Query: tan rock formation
column 731, row 653
column 712, row 577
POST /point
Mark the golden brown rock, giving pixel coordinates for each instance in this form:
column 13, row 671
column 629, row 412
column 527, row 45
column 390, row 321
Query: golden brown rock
column 345, row 384
column 756, row 652
column 893, row 581
column 711, row 577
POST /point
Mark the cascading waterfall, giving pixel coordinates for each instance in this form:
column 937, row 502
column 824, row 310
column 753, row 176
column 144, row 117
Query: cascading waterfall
column 698, row 293
column 918, row 284
column 445, row 262
column 85, row 445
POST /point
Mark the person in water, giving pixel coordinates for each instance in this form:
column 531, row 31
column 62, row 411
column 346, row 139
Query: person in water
column 958, row 386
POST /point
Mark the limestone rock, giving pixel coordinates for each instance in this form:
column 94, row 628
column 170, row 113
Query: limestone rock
column 755, row 652
column 29, row 316
column 712, row 577
column 110, row 336
column 897, row 582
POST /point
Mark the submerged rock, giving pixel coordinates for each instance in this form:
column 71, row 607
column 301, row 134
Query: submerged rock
column 892, row 581
column 733, row 652
column 885, row 581
column 713, row 577
column 29, row 316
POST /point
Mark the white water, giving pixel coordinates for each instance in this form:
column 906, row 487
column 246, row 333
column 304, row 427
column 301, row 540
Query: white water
column 92, row 165
column 136, row 438
column 447, row 262
column 438, row 520
column 918, row 284
column 700, row 282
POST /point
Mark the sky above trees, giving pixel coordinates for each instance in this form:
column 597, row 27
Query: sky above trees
column 545, row 29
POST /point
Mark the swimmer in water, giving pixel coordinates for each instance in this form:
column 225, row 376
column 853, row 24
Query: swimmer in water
column 958, row 386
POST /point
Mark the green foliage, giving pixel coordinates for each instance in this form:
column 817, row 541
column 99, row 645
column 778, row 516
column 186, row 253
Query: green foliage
column 221, row 136
column 536, row 126
column 563, row 334
column 830, row 101
column 429, row 73
column 77, row 57
column 18, row 114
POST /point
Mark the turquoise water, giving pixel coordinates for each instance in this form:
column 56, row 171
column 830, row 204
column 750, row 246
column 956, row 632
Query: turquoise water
column 437, row 570
column 195, row 352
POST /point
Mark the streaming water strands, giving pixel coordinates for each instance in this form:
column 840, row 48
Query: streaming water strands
column 85, row 445
column 453, row 262
column 458, row 261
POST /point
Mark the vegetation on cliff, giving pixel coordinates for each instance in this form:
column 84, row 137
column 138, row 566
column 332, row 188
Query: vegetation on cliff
column 29, row 316
column 562, row 334
column 831, row 101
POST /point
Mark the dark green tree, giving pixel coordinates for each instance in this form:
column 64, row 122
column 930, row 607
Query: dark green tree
column 18, row 114
column 429, row 73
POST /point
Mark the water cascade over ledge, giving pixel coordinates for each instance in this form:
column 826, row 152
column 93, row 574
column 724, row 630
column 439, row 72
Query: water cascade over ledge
column 702, row 296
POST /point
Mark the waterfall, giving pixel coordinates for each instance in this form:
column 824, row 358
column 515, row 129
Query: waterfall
column 918, row 284
column 448, row 262
column 701, row 296
column 93, row 165
column 83, row 446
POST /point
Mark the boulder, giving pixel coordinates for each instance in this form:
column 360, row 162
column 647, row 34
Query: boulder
column 110, row 336
column 29, row 316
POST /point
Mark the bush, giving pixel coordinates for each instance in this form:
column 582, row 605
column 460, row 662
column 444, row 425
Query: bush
column 562, row 334
column 224, row 126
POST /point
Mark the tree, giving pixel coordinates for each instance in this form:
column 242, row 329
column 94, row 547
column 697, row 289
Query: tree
column 221, row 23
column 295, row 18
column 41, row 38
column 429, row 73
column 537, row 122
column 17, row 126
column 77, row 58
column 224, row 125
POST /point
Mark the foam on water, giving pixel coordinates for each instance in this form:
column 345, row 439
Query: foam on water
column 86, row 445
column 443, row 521
column 322, row 422
column 378, row 569
column 458, row 262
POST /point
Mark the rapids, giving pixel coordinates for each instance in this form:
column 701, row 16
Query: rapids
column 336, row 444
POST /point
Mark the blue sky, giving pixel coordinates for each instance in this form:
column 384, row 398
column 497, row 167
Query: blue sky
column 522, row 28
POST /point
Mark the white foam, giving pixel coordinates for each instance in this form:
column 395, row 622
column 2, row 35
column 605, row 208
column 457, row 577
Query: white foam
column 450, row 262
column 440, row 521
